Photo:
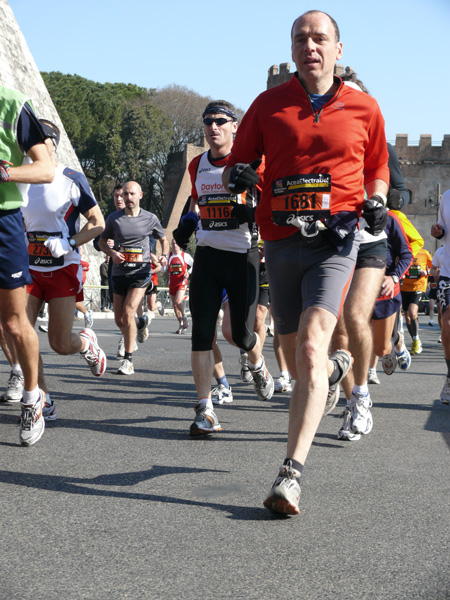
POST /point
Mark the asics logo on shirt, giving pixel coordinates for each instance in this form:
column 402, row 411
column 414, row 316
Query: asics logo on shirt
column 16, row 275
column 213, row 224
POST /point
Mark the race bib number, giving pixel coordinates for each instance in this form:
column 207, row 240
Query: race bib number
column 307, row 197
column 38, row 254
column 414, row 272
column 132, row 254
column 215, row 212
column 176, row 269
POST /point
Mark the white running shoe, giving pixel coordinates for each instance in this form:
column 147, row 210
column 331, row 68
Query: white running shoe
column 49, row 410
column 246, row 376
column 284, row 497
column 372, row 376
column 88, row 320
column 126, row 368
column 14, row 388
column 344, row 360
column 362, row 421
column 185, row 322
column 263, row 382
column 403, row 358
column 445, row 394
column 160, row 308
column 346, row 432
column 205, row 421
column 94, row 355
column 32, row 423
column 221, row 395
column 142, row 329
column 389, row 361
column 121, row 348
column 282, row 384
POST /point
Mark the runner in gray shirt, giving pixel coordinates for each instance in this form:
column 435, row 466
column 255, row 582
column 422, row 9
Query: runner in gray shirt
column 131, row 228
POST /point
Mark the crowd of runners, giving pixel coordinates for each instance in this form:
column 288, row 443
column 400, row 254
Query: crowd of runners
column 297, row 214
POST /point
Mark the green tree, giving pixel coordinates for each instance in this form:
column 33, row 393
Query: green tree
column 146, row 135
column 116, row 132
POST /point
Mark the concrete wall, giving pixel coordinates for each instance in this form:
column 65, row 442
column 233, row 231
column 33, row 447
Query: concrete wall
column 19, row 71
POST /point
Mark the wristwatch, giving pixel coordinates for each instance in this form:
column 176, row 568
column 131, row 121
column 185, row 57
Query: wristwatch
column 72, row 243
column 395, row 278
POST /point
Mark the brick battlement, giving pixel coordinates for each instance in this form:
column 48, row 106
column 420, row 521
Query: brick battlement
column 424, row 151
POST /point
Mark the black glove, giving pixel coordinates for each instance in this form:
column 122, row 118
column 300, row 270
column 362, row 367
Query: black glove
column 4, row 171
column 243, row 213
column 243, row 176
column 394, row 199
column 187, row 226
column 376, row 215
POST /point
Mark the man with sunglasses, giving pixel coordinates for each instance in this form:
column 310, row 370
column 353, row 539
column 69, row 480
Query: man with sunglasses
column 51, row 216
column 23, row 160
column 322, row 142
column 226, row 258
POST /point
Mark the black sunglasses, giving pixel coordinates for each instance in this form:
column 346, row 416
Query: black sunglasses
column 220, row 121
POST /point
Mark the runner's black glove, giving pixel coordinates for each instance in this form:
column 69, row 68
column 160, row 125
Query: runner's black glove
column 376, row 215
column 4, row 171
column 243, row 176
column 185, row 229
column 243, row 213
column 394, row 199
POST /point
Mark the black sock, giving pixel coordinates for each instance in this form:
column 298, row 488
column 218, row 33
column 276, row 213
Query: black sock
column 129, row 356
column 413, row 328
column 395, row 331
column 336, row 374
column 448, row 366
column 296, row 465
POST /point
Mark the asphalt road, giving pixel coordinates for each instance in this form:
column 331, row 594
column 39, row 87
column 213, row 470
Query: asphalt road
column 116, row 501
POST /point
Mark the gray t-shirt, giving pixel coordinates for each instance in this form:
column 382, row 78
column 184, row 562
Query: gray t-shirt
column 131, row 236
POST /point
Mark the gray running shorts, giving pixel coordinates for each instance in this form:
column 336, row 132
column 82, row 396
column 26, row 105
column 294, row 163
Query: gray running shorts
column 306, row 272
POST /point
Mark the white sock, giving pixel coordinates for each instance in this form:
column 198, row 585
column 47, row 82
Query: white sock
column 361, row 389
column 285, row 375
column 31, row 397
column 206, row 402
column 16, row 369
column 258, row 365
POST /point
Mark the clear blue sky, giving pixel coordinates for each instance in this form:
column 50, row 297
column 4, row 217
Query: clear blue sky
column 224, row 49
